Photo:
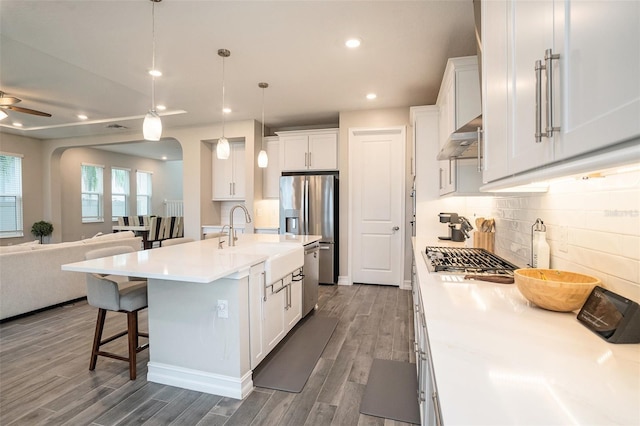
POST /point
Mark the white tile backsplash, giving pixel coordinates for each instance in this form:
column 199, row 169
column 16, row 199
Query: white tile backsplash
column 599, row 218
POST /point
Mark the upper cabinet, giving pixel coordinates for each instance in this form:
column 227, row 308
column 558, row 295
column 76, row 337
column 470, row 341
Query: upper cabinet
column 309, row 150
column 229, row 174
column 458, row 103
column 271, row 175
column 560, row 79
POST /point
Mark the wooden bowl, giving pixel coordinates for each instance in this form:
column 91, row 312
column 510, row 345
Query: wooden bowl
column 555, row 290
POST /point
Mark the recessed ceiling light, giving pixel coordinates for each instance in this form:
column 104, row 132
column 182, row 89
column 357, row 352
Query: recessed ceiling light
column 161, row 107
column 155, row 73
column 82, row 116
column 371, row 96
column 352, row 43
column 15, row 123
column 226, row 110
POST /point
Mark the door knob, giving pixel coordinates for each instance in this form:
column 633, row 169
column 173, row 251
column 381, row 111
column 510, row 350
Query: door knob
column 396, row 228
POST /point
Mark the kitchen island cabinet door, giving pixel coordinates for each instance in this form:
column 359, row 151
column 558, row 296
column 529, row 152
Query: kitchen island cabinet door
column 256, row 314
column 598, row 88
column 293, row 307
column 275, row 301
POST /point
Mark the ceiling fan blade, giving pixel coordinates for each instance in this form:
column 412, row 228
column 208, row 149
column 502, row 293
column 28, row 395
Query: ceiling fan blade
column 28, row 111
column 8, row 100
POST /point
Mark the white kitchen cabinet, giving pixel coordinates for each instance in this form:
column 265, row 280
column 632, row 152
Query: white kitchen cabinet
column 309, row 150
column 256, row 314
column 229, row 174
column 595, row 89
column 271, row 174
column 458, row 102
column 427, row 392
column 274, row 303
column 293, row 308
column 281, row 308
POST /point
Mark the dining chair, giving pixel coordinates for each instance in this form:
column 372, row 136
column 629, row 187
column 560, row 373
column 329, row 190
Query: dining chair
column 116, row 294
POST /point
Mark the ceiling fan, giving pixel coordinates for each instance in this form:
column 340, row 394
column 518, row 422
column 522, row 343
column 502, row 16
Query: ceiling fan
column 8, row 103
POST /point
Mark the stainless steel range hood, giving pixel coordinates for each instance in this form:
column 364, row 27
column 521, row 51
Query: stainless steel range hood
column 463, row 143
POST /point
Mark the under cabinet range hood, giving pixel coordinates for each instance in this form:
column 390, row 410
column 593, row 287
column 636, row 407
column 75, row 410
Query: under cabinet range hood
column 463, row 143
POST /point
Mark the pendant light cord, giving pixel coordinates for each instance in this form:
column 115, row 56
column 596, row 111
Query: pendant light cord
column 262, row 140
column 153, row 55
column 223, row 117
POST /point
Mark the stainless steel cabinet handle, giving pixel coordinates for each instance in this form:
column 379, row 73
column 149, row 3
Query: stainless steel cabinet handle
column 549, row 56
column 480, row 149
column 450, row 170
column 230, row 190
column 538, row 130
column 440, row 178
column 305, row 159
column 436, row 408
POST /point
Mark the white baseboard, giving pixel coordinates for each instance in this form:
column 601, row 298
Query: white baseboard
column 342, row 280
column 406, row 285
column 200, row 381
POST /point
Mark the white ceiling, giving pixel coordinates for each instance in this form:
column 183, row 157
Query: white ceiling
column 92, row 57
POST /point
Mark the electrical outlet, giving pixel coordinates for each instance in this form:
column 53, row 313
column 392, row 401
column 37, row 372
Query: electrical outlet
column 563, row 246
column 223, row 309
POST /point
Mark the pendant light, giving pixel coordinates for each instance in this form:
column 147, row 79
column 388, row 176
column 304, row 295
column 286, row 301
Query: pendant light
column 152, row 125
column 222, row 148
column 263, row 159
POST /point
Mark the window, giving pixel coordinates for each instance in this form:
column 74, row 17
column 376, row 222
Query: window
column 10, row 196
column 92, row 192
column 144, row 191
column 119, row 192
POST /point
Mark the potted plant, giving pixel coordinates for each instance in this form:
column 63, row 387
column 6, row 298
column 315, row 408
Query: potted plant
column 42, row 229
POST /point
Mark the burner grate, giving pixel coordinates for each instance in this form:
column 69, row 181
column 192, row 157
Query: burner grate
column 466, row 260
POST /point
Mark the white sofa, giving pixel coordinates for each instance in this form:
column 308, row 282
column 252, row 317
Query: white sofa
column 31, row 277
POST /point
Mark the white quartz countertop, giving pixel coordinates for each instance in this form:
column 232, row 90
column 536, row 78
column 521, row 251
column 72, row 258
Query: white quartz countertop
column 500, row 360
column 198, row 261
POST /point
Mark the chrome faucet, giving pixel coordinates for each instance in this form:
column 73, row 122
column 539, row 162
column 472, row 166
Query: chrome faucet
column 247, row 218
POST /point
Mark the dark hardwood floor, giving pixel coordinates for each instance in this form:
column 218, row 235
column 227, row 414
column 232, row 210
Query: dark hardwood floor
column 45, row 380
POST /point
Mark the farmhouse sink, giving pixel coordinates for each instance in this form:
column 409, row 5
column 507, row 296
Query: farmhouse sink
column 283, row 257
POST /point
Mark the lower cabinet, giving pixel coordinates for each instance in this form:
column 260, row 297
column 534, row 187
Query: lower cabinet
column 275, row 308
column 427, row 391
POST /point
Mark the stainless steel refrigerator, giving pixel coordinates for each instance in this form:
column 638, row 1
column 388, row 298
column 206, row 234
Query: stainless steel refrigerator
column 309, row 206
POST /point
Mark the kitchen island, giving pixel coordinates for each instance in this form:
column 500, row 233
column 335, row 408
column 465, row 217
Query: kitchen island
column 205, row 306
column 497, row 359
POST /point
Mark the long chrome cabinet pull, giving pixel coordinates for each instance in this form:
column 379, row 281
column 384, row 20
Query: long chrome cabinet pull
column 305, row 159
column 549, row 56
column 480, row 149
column 538, row 134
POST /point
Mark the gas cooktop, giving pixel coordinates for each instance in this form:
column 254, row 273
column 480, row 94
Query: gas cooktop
column 466, row 261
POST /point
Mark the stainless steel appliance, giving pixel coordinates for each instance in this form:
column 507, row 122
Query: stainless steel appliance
column 463, row 260
column 311, row 271
column 309, row 206
column 459, row 226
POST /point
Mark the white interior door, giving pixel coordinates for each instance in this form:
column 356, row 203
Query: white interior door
column 376, row 186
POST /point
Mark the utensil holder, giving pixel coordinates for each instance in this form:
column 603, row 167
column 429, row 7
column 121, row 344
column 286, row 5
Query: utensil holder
column 485, row 240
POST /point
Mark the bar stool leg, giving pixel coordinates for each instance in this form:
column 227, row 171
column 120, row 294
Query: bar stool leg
column 132, row 326
column 97, row 337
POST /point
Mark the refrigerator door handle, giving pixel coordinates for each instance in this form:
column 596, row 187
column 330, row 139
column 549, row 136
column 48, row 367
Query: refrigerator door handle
column 306, row 206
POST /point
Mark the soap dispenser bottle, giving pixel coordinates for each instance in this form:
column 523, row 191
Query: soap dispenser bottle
column 540, row 252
